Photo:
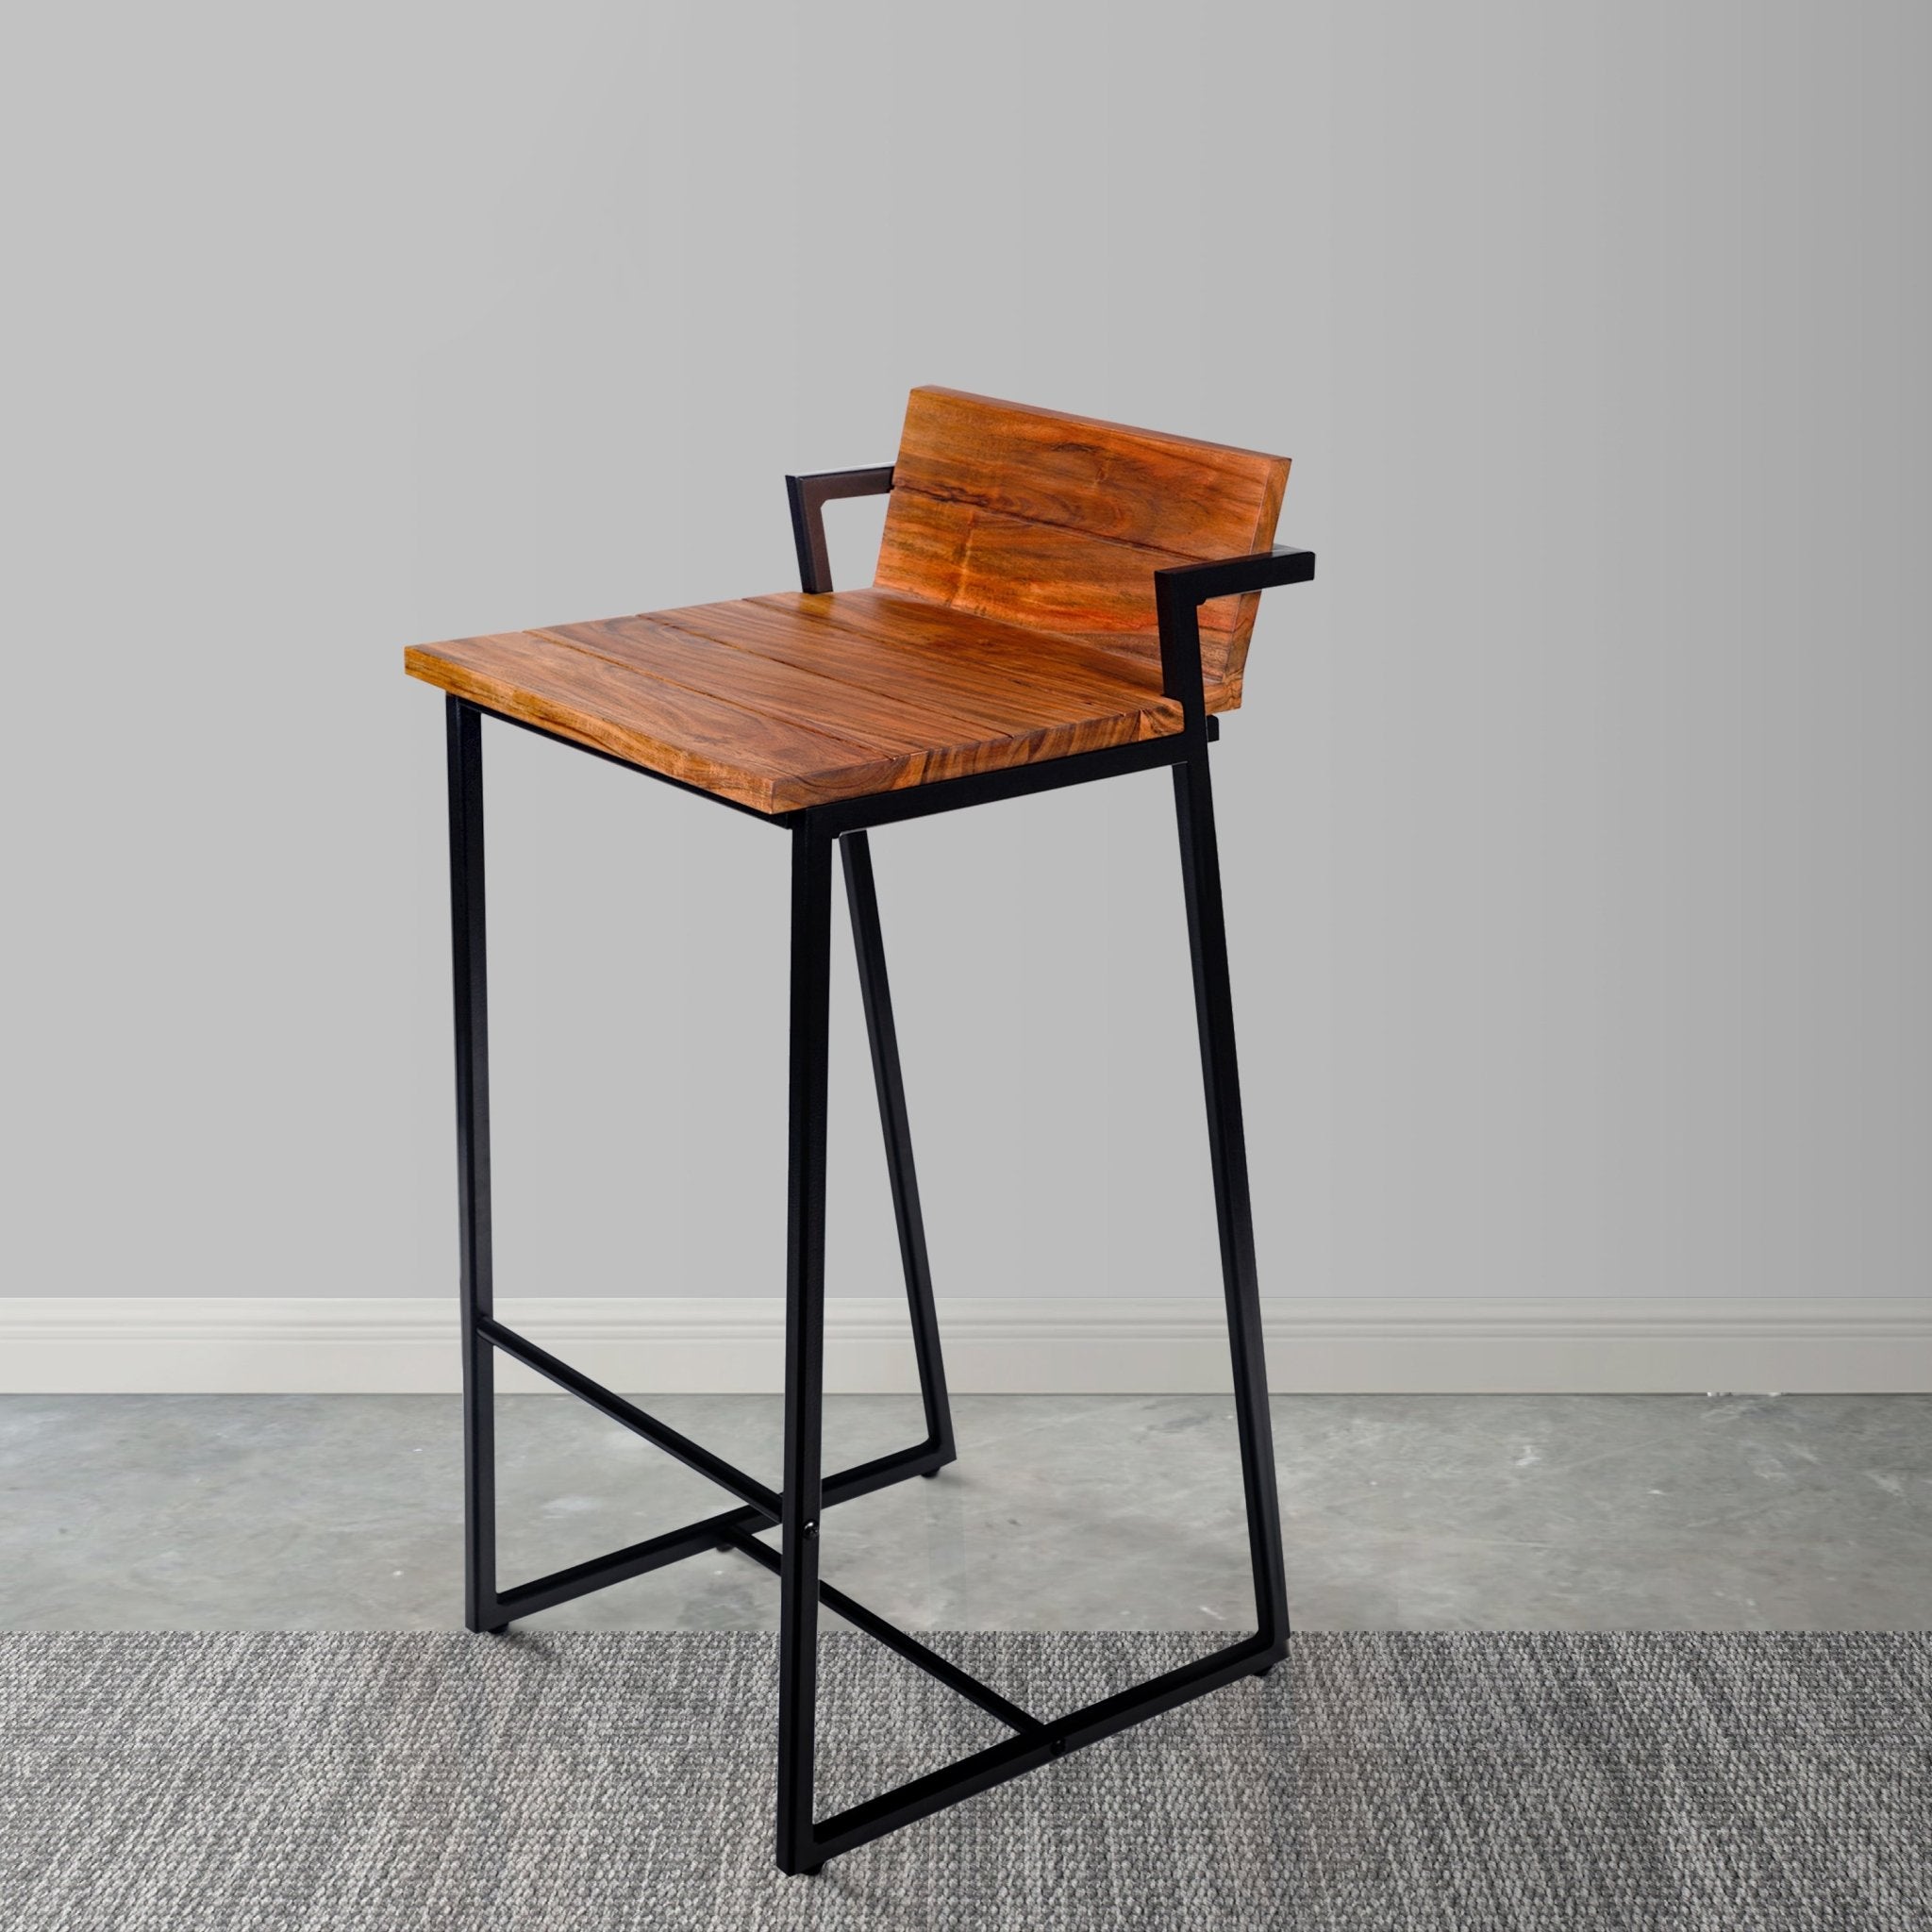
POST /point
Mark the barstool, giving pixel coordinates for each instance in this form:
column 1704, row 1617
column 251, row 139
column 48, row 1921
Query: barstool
column 1058, row 600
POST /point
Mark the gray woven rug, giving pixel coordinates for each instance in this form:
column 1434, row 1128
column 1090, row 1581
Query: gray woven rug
column 593, row 1782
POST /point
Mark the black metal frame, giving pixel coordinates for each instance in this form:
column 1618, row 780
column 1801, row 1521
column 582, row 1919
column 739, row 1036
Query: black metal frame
column 804, row 1841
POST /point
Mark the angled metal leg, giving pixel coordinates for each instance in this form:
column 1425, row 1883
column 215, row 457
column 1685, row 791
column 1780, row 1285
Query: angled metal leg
column 1214, row 1011
column 485, row 1605
column 481, row 1610
column 804, row 1842
column 861, row 899
column 805, row 1338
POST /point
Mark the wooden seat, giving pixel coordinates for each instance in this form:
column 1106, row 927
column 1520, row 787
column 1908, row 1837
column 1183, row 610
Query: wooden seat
column 1011, row 620
column 787, row 701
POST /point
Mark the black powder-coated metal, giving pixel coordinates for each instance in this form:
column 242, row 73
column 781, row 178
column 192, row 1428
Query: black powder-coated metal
column 711, row 1533
column 1180, row 591
column 917, row 801
column 805, row 1338
column 464, row 730
column 629, row 1415
column 862, row 902
column 809, row 497
column 635, row 1560
column 909, row 1647
column 1193, row 800
column 804, row 1841
column 920, row 1797
column 988, row 788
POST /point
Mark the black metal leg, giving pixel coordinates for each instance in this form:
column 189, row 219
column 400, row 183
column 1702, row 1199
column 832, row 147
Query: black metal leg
column 481, row 1610
column 861, row 898
column 804, row 1842
column 805, row 1336
column 1214, row 1010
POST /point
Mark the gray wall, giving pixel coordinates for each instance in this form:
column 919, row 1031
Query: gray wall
column 1578, row 830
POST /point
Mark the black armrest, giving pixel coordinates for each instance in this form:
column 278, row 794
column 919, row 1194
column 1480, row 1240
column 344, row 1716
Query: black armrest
column 1178, row 594
column 809, row 496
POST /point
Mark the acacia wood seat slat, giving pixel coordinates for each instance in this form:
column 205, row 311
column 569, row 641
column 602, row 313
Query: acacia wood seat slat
column 891, row 616
column 778, row 724
column 797, row 693
column 992, row 669
column 1011, row 619
column 699, row 740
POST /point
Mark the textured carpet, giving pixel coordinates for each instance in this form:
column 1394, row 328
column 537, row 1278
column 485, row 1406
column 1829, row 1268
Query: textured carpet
column 603, row 1781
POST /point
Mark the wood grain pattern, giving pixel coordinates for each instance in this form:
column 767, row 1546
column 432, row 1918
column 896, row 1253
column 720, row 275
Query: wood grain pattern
column 1056, row 663
column 993, row 670
column 703, row 740
column 797, row 695
column 780, row 709
column 1135, row 486
column 1058, row 522
column 1013, row 620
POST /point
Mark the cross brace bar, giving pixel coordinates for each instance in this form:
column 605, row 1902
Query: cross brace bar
column 762, row 1506
column 1035, row 1741
column 711, row 1533
column 693, row 1455
column 733, row 1529
column 1009, row 1758
column 907, row 1647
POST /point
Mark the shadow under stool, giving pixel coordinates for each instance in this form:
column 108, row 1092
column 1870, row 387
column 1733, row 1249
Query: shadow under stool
column 1058, row 600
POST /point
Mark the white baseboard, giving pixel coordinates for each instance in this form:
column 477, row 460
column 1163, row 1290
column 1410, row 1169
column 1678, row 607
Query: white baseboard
column 212, row 1345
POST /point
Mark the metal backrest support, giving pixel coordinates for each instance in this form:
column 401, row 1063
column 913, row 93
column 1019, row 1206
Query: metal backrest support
column 1060, row 521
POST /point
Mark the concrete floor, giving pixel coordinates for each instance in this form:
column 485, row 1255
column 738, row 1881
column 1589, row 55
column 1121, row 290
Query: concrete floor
column 1423, row 1512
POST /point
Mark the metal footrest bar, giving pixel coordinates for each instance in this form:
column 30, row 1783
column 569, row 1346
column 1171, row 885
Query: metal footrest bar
column 1012, row 1757
column 711, row 1533
column 693, row 1455
column 906, row 1645
column 673, row 1546
column 882, row 1472
column 862, row 1478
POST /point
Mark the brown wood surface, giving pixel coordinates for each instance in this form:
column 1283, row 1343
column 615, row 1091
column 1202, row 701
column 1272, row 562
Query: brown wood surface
column 1058, row 522
column 780, row 703
column 895, row 615
column 920, row 647
column 1137, row 485
column 1013, row 620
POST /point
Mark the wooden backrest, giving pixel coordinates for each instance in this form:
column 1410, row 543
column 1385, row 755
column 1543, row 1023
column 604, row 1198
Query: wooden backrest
column 1060, row 523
